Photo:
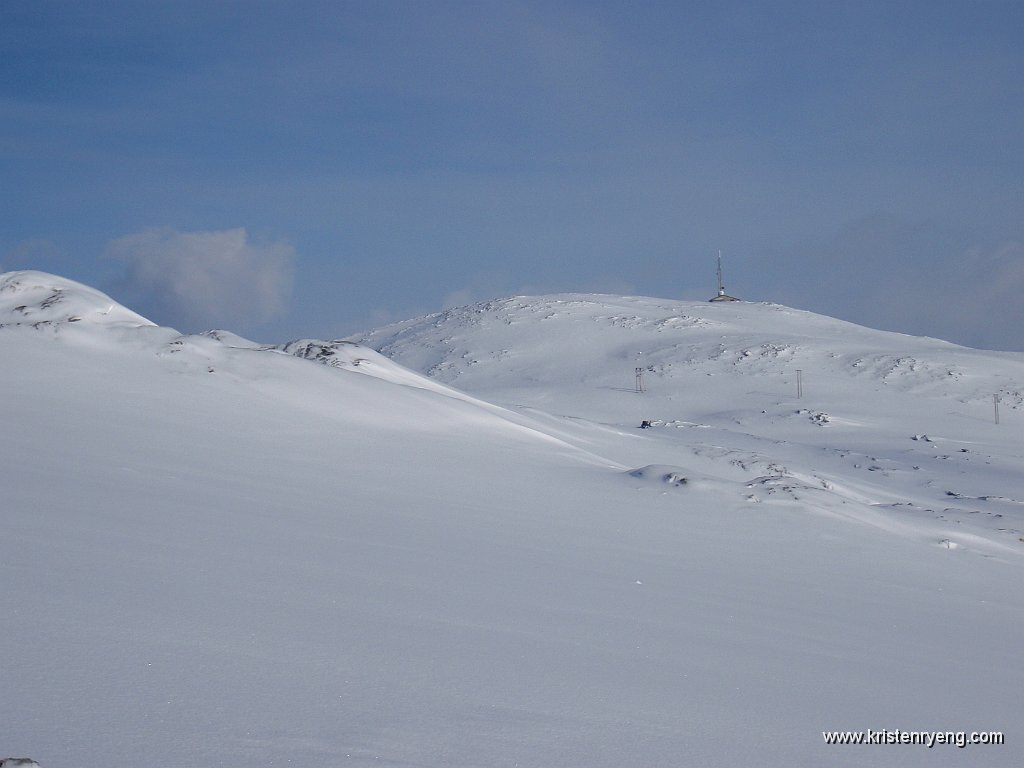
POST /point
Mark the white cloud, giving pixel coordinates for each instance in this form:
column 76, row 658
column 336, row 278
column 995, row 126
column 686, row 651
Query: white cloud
column 199, row 280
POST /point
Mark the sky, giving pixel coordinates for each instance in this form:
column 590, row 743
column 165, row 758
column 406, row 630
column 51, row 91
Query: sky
column 317, row 169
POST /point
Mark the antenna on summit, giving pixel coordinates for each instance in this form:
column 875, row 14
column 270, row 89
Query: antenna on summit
column 722, row 295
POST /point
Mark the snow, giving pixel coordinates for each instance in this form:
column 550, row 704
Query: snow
column 462, row 550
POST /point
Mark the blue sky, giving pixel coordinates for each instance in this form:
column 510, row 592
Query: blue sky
column 318, row 168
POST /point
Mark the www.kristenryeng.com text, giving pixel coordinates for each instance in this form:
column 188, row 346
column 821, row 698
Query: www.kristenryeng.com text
column 930, row 739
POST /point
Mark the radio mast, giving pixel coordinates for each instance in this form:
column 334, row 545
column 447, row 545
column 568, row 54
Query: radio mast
column 722, row 295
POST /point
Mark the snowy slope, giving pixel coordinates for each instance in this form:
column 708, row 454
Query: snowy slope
column 904, row 423
column 217, row 552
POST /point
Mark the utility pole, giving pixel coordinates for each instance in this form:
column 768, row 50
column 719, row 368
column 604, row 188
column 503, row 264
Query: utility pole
column 639, row 379
column 995, row 406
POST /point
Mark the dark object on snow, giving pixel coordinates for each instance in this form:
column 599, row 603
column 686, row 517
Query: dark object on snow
column 18, row 762
column 645, row 424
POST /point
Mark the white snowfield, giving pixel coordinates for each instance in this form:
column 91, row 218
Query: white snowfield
column 464, row 551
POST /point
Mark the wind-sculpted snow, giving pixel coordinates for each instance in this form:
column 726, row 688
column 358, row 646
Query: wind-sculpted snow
column 348, row 355
column 660, row 473
column 467, row 552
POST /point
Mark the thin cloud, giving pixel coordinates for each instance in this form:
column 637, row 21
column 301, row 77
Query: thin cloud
column 989, row 311
column 458, row 299
column 922, row 277
column 30, row 254
column 199, row 280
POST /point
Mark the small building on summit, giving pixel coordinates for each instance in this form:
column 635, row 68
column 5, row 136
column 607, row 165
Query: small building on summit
column 722, row 295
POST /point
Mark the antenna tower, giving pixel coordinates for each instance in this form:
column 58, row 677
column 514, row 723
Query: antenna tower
column 722, row 295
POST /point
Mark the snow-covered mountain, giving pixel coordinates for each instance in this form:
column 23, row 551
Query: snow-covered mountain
column 462, row 550
column 899, row 422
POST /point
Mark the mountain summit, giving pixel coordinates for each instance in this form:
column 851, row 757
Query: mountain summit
column 589, row 346
column 39, row 300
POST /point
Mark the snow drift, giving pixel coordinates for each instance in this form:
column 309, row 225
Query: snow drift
column 219, row 552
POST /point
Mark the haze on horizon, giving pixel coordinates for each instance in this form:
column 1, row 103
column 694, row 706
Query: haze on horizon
column 319, row 170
